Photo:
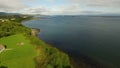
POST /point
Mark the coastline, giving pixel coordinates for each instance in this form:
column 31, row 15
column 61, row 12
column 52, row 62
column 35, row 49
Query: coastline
column 88, row 61
column 83, row 61
column 35, row 31
column 45, row 55
column 47, row 52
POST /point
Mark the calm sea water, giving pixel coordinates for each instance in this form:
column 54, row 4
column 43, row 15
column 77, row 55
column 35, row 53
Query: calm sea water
column 97, row 37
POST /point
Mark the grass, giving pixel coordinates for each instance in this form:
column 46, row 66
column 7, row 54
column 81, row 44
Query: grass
column 25, row 56
column 17, row 56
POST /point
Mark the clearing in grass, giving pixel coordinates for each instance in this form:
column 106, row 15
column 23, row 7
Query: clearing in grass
column 19, row 52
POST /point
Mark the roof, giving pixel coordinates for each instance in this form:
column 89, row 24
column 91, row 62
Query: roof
column 1, row 46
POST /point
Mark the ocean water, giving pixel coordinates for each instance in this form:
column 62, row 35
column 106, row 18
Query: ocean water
column 93, row 36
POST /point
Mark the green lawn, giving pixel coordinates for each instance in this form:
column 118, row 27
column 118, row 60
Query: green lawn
column 18, row 55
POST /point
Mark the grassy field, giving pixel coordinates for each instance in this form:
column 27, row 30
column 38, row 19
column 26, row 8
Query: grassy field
column 19, row 53
column 24, row 50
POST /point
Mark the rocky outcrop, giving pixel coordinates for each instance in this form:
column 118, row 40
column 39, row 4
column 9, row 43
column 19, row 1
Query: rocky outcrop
column 34, row 31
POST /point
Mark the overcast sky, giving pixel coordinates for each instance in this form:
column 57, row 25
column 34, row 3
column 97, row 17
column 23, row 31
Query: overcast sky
column 61, row 7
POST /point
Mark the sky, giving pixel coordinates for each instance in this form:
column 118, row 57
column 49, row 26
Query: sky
column 61, row 7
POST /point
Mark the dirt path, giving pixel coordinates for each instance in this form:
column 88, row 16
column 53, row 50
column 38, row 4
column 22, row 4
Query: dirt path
column 2, row 50
column 5, row 50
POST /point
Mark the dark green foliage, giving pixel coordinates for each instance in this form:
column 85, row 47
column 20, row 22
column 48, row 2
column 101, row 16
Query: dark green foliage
column 10, row 28
column 53, row 59
column 57, row 59
column 3, row 67
column 5, row 46
column 49, row 57
column 18, row 18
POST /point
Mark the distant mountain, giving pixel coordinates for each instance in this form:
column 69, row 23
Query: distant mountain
column 4, row 13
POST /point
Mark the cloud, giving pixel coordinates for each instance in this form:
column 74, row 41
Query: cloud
column 70, row 9
column 11, row 6
column 51, row 0
column 19, row 6
column 99, row 3
column 37, row 10
column 42, row 10
column 106, row 3
column 62, row 9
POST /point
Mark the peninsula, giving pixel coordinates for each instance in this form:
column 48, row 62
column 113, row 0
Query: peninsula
column 24, row 49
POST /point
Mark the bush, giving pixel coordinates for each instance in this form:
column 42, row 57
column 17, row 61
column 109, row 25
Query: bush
column 9, row 28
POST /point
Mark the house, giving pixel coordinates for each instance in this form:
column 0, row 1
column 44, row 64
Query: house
column 2, row 20
column 24, row 17
column 12, row 19
column 2, row 48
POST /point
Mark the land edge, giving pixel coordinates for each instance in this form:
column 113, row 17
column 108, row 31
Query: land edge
column 35, row 31
column 73, row 62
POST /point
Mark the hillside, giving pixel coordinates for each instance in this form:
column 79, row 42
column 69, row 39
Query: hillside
column 23, row 50
column 19, row 52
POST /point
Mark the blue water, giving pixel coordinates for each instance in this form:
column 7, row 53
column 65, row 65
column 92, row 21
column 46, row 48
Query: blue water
column 97, row 37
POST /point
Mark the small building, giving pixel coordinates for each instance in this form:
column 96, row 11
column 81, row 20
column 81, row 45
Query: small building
column 24, row 17
column 2, row 20
column 12, row 19
column 2, row 48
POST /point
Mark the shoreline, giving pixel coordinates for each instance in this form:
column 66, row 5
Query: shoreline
column 35, row 31
column 45, row 55
column 74, row 59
